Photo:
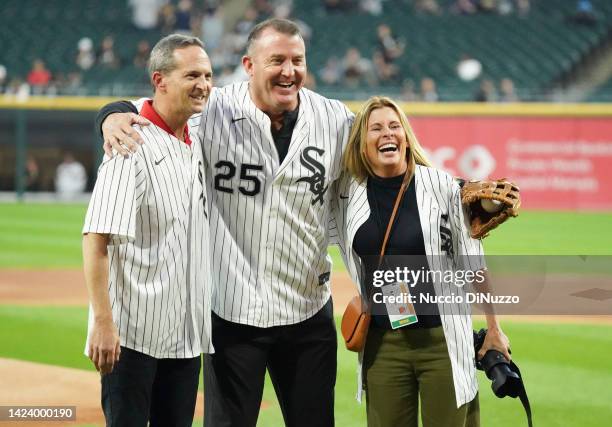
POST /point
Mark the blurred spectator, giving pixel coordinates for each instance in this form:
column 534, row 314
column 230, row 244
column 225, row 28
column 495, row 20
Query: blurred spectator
column 183, row 16
column 463, row 7
column 142, row 54
column 39, row 77
column 310, row 82
column 486, row 92
column 212, row 28
column 385, row 72
column 506, row 87
column 430, row 7
column 32, row 174
column 233, row 43
column 57, row 83
column 332, row 71
column 70, row 177
column 468, row 68
column 85, row 58
column 338, row 5
column 373, row 7
column 230, row 75
column 145, row 13
column 2, row 79
column 487, row 6
column 408, row 94
column 211, row 5
column 167, row 18
column 357, row 70
column 247, row 22
column 107, row 57
column 263, row 8
column 504, row 7
column 523, row 7
column 429, row 92
column 19, row 89
column 283, row 11
column 74, row 84
column 224, row 78
column 585, row 14
column 390, row 47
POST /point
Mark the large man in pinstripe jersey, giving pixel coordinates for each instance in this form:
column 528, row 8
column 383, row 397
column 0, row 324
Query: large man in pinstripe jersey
column 271, row 149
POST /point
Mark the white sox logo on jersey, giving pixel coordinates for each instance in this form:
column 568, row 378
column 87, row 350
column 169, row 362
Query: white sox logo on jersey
column 446, row 236
column 317, row 179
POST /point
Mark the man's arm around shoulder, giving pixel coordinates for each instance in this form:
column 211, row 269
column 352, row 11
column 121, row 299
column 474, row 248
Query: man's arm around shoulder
column 115, row 121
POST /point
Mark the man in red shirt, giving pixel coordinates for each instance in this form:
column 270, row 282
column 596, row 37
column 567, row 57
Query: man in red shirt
column 39, row 77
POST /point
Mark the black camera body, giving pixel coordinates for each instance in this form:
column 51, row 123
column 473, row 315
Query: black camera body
column 505, row 381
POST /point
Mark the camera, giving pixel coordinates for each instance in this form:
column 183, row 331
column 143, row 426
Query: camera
column 505, row 376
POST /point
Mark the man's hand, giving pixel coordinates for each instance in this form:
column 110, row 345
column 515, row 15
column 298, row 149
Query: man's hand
column 104, row 346
column 495, row 340
column 119, row 134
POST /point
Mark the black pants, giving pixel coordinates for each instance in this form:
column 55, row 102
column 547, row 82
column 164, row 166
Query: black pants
column 300, row 358
column 142, row 388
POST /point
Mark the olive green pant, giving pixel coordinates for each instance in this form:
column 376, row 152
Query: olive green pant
column 405, row 366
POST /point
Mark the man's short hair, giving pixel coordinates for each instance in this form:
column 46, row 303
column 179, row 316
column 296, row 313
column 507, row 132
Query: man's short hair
column 283, row 26
column 162, row 55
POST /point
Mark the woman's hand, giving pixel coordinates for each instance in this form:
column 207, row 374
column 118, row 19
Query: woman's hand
column 495, row 340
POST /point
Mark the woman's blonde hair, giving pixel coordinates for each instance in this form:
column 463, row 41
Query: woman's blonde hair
column 355, row 159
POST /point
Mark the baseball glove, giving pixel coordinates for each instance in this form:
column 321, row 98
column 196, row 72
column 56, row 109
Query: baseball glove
column 473, row 193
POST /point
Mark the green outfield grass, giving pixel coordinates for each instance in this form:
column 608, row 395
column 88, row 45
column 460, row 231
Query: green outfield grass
column 566, row 367
column 40, row 235
column 49, row 235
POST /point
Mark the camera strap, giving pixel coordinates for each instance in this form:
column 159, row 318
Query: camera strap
column 523, row 394
column 520, row 390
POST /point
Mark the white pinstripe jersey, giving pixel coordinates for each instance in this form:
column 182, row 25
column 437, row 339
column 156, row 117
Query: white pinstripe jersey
column 439, row 204
column 268, row 220
column 153, row 204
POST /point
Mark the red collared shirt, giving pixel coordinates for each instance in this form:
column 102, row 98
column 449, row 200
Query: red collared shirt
column 149, row 113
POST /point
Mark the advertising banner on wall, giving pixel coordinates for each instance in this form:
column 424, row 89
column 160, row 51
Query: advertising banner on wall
column 558, row 163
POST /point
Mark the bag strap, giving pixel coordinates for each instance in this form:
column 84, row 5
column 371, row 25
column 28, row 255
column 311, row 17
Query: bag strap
column 400, row 194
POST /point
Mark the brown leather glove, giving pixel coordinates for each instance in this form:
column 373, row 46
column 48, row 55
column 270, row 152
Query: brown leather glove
column 501, row 190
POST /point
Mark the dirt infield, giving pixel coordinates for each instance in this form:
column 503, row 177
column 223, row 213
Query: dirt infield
column 66, row 287
column 31, row 383
column 38, row 384
column 26, row 383
column 47, row 287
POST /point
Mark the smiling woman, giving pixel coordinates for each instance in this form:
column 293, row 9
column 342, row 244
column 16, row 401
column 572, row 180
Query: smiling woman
column 417, row 353
column 386, row 143
column 381, row 141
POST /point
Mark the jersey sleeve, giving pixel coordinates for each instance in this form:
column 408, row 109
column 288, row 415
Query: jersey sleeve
column 332, row 223
column 116, row 197
column 347, row 119
column 468, row 251
column 118, row 107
